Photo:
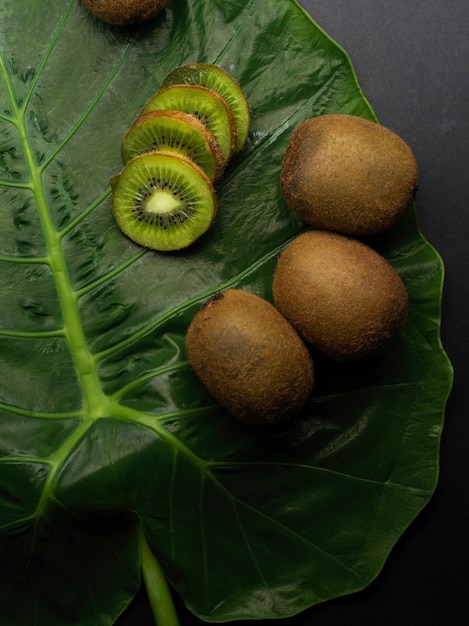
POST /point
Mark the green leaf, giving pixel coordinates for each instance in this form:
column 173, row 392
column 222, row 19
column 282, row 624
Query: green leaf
column 109, row 445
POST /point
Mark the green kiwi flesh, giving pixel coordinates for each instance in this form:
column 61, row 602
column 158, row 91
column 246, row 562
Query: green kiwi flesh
column 124, row 12
column 339, row 294
column 174, row 131
column 216, row 78
column 347, row 174
column 250, row 358
column 204, row 104
column 163, row 201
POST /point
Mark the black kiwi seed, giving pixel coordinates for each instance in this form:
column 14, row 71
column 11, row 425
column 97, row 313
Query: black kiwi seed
column 163, row 201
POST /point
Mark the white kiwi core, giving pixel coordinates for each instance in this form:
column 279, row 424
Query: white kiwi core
column 162, row 202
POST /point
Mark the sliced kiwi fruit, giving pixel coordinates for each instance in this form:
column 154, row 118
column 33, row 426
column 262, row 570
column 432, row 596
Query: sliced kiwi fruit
column 339, row 294
column 348, row 174
column 174, row 131
column 163, row 201
column 204, row 104
column 250, row 358
column 216, row 78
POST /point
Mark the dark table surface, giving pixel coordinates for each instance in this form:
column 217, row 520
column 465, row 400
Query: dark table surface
column 412, row 62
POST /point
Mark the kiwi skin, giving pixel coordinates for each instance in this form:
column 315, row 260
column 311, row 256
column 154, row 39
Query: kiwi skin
column 250, row 358
column 125, row 12
column 339, row 294
column 347, row 174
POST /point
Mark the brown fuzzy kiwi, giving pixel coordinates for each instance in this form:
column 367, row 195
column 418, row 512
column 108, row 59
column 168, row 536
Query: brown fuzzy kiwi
column 348, row 174
column 341, row 295
column 125, row 12
column 250, row 358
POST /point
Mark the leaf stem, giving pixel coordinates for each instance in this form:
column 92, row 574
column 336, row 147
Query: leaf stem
column 159, row 594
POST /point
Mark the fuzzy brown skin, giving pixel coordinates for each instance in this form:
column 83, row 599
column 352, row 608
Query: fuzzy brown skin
column 347, row 174
column 250, row 358
column 125, row 12
column 339, row 294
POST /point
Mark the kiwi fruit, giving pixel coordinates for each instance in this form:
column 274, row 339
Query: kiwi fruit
column 125, row 12
column 250, row 358
column 220, row 81
column 204, row 104
column 341, row 296
column 163, row 201
column 347, row 174
column 174, row 131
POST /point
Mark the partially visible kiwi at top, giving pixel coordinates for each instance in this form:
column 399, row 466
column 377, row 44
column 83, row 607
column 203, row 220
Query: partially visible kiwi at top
column 347, row 174
column 174, row 153
column 125, row 12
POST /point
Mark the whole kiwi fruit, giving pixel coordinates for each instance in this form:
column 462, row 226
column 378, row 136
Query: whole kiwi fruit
column 341, row 296
column 347, row 174
column 250, row 358
column 125, row 12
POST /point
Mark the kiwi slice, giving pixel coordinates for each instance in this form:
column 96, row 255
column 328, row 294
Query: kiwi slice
column 216, row 78
column 162, row 200
column 174, row 131
column 204, row 104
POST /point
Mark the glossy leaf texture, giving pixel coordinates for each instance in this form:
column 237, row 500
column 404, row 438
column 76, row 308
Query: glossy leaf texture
column 104, row 428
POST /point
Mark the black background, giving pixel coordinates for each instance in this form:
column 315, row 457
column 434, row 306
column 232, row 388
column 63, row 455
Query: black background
column 412, row 62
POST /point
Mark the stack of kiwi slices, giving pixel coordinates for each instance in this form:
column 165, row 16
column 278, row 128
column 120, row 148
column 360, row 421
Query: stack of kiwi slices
column 174, row 154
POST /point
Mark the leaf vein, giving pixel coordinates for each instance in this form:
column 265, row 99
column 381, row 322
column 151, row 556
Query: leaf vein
column 240, row 26
column 112, row 274
column 90, row 107
column 275, row 522
column 87, row 211
column 158, row 371
column 48, row 54
column 222, row 465
column 39, row 334
column 28, row 260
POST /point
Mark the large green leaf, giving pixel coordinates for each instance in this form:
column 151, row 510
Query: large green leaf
column 108, row 442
